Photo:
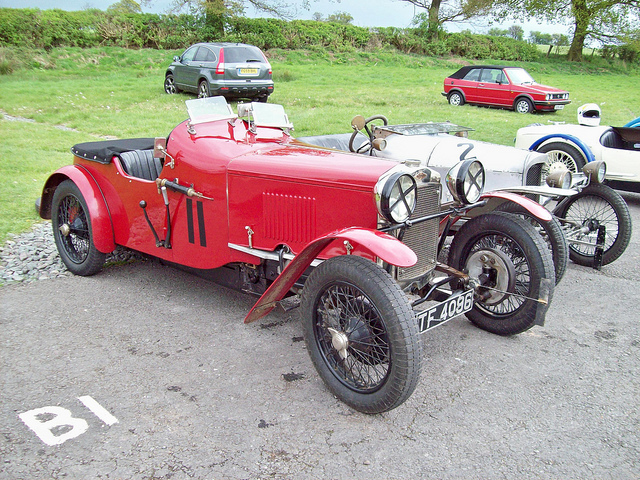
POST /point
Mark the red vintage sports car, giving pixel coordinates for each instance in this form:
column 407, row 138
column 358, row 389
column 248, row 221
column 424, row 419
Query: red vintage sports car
column 506, row 87
column 237, row 199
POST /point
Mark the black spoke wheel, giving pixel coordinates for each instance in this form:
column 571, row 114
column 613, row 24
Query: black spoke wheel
column 508, row 256
column 361, row 334
column 594, row 206
column 72, row 231
column 550, row 231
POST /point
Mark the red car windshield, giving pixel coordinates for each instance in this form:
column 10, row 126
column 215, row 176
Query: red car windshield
column 519, row 76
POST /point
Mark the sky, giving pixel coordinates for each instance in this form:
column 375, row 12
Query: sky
column 372, row 13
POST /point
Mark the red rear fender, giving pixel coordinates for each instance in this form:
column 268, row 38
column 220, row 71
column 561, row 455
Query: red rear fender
column 101, row 225
column 375, row 243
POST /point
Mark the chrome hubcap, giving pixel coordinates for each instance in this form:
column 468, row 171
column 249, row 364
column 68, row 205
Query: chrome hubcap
column 340, row 342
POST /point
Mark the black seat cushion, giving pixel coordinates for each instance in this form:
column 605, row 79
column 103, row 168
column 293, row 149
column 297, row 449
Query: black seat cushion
column 141, row 164
column 611, row 139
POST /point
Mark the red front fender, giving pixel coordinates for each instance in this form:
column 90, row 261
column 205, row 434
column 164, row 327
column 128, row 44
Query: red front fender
column 381, row 245
column 101, row 225
column 498, row 197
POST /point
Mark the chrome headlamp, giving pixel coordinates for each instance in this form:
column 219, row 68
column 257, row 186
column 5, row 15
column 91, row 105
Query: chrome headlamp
column 398, row 197
column 559, row 177
column 595, row 171
column 466, row 181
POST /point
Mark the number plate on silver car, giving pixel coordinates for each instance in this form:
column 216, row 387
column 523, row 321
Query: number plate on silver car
column 455, row 305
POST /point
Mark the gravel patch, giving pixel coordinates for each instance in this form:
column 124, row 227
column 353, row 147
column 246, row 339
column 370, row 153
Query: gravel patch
column 33, row 256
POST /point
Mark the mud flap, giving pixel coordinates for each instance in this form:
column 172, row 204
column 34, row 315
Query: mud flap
column 544, row 293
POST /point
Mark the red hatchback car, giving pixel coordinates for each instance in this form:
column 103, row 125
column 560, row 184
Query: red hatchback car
column 506, row 87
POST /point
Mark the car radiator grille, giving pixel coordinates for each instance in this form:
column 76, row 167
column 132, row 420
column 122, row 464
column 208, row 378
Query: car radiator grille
column 422, row 238
column 534, row 175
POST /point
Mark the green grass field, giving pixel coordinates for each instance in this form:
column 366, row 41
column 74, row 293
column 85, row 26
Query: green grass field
column 74, row 95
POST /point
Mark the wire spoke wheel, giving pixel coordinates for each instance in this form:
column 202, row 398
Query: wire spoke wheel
column 509, row 268
column 352, row 337
column 596, row 206
column 561, row 155
column 74, row 229
column 513, row 265
column 558, row 159
column 361, row 333
column 550, row 231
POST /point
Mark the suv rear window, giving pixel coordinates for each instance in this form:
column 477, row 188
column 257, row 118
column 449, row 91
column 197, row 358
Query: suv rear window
column 242, row 55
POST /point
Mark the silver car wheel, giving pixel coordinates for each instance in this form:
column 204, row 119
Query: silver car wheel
column 203, row 89
column 170, row 85
column 523, row 105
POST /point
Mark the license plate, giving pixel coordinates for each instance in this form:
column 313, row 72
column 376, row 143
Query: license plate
column 455, row 305
column 247, row 71
column 558, row 107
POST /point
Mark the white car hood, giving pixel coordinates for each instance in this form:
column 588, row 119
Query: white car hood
column 504, row 166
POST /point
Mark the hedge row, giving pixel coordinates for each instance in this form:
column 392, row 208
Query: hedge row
column 90, row 28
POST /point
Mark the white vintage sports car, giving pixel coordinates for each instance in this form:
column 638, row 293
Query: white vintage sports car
column 594, row 218
column 577, row 145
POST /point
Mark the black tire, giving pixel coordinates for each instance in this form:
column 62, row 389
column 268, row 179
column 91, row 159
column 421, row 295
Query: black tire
column 596, row 205
column 551, row 233
column 561, row 153
column 72, row 231
column 522, row 264
column 170, row 85
column 523, row 105
column 262, row 99
column 372, row 359
column 203, row 89
column 456, row 99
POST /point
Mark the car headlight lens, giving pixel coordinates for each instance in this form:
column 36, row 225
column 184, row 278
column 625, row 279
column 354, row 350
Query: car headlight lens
column 398, row 197
column 560, row 177
column 466, row 181
column 596, row 171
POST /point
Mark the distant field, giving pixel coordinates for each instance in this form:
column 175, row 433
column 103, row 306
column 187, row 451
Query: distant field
column 79, row 95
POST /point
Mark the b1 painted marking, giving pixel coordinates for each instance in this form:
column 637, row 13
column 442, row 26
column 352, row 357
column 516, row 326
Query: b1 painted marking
column 55, row 425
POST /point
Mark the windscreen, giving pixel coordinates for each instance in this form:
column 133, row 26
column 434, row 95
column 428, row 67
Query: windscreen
column 519, row 76
column 208, row 109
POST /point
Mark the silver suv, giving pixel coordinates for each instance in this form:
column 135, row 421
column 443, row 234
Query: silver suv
column 233, row 70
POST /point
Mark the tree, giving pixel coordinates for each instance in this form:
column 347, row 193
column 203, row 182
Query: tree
column 602, row 20
column 125, row 6
column 516, row 31
column 342, row 18
column 440, row 12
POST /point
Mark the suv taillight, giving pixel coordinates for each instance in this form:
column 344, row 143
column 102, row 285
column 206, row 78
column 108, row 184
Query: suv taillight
column 267, row 62
column 220, row 66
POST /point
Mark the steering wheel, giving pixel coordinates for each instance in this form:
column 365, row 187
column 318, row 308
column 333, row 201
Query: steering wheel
column 359, row 123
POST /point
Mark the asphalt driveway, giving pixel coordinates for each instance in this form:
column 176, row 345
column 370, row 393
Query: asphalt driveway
column 147, row 372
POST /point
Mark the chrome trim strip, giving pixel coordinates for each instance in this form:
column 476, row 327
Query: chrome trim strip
column 268, row 255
